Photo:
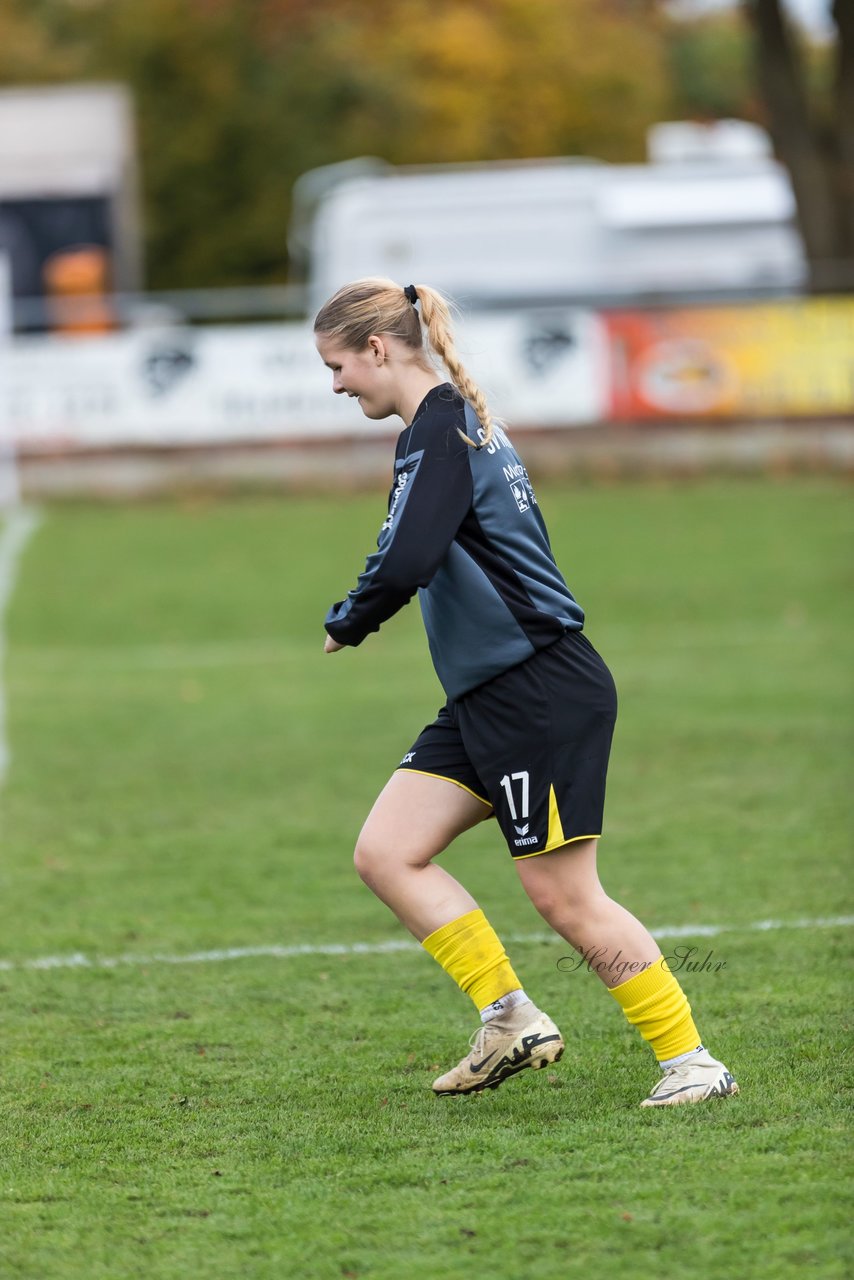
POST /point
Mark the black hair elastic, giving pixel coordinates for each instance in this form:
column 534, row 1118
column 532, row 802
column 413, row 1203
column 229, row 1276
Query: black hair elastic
column 411, row 293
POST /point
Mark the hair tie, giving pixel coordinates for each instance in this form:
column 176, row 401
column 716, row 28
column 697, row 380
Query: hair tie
column 411, row 293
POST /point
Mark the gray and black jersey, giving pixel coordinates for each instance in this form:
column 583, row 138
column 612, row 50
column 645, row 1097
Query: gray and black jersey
column 463, row 530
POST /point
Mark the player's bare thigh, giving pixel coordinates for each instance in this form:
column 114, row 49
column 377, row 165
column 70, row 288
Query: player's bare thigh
column 415, row 817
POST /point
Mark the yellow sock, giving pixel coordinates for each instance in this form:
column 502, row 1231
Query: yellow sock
column 470, row 951
column 654, row 1002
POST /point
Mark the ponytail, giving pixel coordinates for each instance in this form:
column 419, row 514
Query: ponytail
column 377, row 305
column 436, row 318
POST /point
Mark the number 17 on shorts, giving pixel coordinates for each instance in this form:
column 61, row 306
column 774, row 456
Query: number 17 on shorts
column 517, row 790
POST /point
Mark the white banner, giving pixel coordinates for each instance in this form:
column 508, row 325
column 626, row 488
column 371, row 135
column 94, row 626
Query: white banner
column 185, row 386
column 547, row 368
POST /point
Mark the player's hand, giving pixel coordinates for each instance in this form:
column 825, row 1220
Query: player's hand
column 332, row 646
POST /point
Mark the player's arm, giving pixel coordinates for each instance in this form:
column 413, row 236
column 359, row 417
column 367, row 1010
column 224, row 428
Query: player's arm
column 430, row 498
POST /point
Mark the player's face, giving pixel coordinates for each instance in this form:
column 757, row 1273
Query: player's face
column 358, row 374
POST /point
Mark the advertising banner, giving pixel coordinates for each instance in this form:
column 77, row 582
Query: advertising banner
column 186, row 386
column 784, row 359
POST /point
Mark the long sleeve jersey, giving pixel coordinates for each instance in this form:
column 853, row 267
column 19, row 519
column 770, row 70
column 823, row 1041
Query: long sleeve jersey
column 463, row 529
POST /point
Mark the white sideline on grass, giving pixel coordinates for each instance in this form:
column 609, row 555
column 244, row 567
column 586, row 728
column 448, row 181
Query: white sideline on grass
column 18, row 527
column 80, row 961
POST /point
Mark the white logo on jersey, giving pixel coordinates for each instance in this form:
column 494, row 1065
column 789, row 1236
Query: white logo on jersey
column 395, row 499
column 499, row 439
column 520, row 493
column 520, row 485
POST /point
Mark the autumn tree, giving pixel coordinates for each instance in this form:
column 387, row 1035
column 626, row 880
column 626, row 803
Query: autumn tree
column 814, row 139
column 236, row 98
column 710, row 69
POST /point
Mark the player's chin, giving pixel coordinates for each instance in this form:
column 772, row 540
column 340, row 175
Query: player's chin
column 374, row 411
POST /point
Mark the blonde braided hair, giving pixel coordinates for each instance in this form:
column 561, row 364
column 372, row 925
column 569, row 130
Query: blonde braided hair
column 377, row 305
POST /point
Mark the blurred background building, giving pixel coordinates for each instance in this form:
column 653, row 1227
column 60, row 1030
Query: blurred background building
column 69, row 210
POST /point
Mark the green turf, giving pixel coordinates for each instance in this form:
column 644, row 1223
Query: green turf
column 190, row 771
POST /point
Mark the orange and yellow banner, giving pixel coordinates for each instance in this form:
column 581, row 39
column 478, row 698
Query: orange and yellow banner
column 787, row 359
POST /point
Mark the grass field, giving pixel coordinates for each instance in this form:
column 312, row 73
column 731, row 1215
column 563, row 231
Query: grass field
column 188, row 775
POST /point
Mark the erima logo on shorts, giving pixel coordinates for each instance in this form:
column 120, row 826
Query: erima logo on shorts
column 525, row 839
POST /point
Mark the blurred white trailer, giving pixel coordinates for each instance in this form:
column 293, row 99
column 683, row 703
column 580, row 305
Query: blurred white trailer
column 699, row 221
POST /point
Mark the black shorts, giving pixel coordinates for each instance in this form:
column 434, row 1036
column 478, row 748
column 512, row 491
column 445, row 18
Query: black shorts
column 533, row 744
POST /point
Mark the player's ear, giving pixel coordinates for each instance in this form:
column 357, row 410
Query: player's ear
column 377, row 348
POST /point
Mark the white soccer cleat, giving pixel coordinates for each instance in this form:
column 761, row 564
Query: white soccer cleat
column 697, row 1078
column 522, row 1037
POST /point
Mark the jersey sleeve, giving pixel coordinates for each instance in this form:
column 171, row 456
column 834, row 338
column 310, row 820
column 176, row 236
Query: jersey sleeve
column 430, row 497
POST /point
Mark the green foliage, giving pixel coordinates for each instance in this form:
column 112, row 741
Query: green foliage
column 711, row 70
column 189, row 771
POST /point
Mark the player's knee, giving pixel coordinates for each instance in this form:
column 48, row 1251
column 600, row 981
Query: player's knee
column 549, row 901
column 374, row 858
column 380, row 858
column 569, row 915
column 365, row 858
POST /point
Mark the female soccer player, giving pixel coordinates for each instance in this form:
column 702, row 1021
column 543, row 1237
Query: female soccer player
column 526, row 731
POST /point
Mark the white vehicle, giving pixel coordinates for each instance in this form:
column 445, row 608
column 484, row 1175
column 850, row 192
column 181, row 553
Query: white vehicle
column 712, row 215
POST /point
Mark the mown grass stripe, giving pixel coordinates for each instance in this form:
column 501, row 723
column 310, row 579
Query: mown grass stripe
column 265, row 650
